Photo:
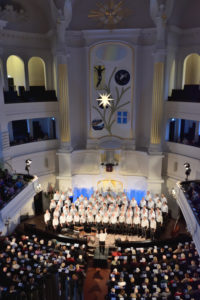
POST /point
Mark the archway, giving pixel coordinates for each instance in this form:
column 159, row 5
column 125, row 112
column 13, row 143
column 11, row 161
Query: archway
column 36, row 72
column 191, row 69
column 15, row 71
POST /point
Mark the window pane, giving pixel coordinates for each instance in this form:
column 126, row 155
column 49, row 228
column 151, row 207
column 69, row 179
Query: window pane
column 119, row 120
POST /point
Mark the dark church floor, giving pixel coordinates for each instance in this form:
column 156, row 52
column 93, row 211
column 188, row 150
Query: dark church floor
column 95, row 287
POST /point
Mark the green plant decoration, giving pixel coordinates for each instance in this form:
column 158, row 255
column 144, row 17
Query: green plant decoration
column 108, row 114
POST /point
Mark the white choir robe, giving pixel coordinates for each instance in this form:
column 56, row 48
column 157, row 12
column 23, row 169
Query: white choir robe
column 47, row 217
column 62, row 220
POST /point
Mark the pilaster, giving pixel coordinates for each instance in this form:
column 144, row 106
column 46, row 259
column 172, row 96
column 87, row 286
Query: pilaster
column 157, row 103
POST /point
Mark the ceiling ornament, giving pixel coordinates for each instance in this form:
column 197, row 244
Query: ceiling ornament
column 12, row 12
column 110, row 13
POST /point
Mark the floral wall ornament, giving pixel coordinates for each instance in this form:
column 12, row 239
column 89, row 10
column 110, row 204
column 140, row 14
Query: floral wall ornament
column 111, row 107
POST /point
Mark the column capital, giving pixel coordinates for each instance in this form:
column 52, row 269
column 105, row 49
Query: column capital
column 65, row 147
column 61, row 57
column 160, row 55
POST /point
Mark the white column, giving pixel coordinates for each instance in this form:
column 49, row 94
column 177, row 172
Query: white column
column 157, row 103
column 64, row 153
column 26, row 74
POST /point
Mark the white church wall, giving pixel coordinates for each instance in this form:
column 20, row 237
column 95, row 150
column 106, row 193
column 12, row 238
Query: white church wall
column 174, row 166
column 144, row 96
column 77, row 95
column 106, row 61
column 43, row 163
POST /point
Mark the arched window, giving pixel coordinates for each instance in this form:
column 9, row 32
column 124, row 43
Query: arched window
column 191, row 69
column 36, row 72
column 15, row 71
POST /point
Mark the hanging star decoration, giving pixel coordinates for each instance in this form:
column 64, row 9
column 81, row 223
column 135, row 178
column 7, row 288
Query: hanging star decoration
column 109, row 14
column 104, row 99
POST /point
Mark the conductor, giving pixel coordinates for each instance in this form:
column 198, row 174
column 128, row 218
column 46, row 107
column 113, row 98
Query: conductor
column 102, row 238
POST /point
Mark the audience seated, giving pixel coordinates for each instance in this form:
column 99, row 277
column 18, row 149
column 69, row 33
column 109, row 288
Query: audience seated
column 36, row 268
column 10, row 186
column 169, row 272
column 190, row 93
column 192, row 193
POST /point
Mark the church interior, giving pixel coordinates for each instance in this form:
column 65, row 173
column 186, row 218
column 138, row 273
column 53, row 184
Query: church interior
column 99, row 149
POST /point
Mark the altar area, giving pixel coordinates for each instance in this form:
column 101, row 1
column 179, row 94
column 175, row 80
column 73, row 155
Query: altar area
column 132, row 186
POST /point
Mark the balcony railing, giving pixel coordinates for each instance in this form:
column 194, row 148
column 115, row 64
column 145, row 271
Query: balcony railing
column 190, row 93
column 35, row 94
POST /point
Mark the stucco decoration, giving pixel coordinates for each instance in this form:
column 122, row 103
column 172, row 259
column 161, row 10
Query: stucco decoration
column 12, row 12
column 160, row 12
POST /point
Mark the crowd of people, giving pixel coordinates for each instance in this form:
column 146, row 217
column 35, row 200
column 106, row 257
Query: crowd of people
column 10, row 186
column 192, row 193
column 168, row 272
column 38, row 269
column 110, row 211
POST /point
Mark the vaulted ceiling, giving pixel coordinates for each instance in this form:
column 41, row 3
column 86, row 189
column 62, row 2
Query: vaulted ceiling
column 39, row 17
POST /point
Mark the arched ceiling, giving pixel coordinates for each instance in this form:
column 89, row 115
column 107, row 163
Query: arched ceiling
column 36, row 17
column 39, row 17
column 139, row 16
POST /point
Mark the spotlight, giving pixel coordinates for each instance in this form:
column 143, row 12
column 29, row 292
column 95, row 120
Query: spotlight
column 187, row 170
column 28, row 163
column 174, row 192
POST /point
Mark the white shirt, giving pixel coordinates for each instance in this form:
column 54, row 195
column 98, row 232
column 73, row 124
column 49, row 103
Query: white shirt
column 76, row 218
column 52, row 204
column 158, row 204
column 129, row 212
column 129, row 220
column 69, row 218
column 90, row 219
column 152, row 214
column 153, row 224
column 113, row 220
column 150, row 204
column 55, row 222
column 63, row 197
column 159, row 219
column 163, row 199
column 121, row 219
column 82, row 219
column 62, row 219
column 142, row 203
column 136, row 220
column 164, row 208
column 147, row 197
column 145, row 223
column 98, row 219
column 102, row 237
column 47, row 217
column 56, row 213
column 144, row 213
column 56, row 196
column 133, row 203
column 105, row 219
